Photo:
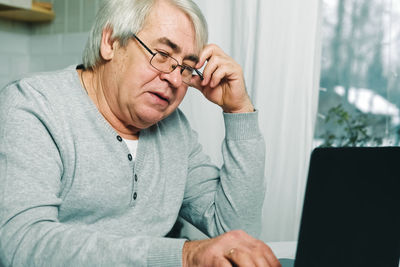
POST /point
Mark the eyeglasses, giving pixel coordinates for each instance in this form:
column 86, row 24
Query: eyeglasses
column 165, row 63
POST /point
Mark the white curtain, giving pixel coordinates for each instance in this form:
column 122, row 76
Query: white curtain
column 278, row 45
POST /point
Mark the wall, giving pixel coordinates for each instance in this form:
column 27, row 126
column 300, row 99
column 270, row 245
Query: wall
column 14, row 44
column 14, row 55
column 21, row 54
column 55, row 51
column 71, row 16
column 26, row 47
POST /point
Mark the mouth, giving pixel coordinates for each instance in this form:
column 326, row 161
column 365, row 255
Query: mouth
column 161, row 96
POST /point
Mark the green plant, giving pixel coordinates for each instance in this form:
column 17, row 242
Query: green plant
column 347, row 130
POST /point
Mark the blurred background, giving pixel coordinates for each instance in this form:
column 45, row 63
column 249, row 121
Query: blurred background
column 320, row 73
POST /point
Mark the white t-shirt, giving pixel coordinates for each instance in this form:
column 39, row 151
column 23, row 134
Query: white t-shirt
column 132, row 145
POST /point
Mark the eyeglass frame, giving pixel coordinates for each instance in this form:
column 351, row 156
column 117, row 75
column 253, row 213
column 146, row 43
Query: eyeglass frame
column 183, row 67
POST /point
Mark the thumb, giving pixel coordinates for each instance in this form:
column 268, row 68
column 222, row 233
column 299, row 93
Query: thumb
column 195, row 82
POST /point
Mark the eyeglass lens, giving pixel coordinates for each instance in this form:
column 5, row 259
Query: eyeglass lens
column 168, row 64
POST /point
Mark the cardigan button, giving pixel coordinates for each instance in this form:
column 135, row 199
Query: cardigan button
column 130, row 157
column 119, row 138
column 136, row 178
column 134, row 196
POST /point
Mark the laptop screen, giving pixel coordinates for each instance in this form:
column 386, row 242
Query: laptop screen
column 351, row 211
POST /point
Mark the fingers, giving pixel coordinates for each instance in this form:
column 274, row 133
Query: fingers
column 272, row 259
column 249, row 251
column 223, row 82
column 196, row 82
column 218, row 74
column 223, row 262
column 206, row 54
column 257, row 253
column 219, row 66
column 214, row 71
column 240, row 258
column 235, row 248
column 264, row 255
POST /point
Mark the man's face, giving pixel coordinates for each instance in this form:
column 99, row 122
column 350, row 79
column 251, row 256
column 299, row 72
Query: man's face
column 138, row 94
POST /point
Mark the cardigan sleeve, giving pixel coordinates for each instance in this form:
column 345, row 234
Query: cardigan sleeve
column 219, row 200
column 31, row 167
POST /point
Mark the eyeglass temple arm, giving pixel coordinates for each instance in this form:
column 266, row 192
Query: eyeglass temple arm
column 145, row 46
column 199, row 73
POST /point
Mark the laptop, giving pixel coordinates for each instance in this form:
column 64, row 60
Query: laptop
column 351, row 210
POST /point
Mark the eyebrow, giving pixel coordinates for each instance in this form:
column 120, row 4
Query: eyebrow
column 177, row 49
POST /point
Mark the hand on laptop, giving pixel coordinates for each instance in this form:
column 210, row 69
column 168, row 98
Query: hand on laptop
column 235, row 248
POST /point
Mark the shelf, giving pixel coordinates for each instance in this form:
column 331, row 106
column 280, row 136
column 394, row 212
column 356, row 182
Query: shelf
column 40, row 12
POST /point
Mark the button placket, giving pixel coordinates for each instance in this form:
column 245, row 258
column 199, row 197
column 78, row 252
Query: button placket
column 135, row 193
column 135, row 178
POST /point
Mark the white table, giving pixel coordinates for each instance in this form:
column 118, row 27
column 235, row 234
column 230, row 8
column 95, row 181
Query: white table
column 284, row 249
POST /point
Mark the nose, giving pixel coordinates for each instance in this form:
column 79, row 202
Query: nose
column 174, row 77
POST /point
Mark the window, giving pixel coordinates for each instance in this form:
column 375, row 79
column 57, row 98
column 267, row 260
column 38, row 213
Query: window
column 359, row 97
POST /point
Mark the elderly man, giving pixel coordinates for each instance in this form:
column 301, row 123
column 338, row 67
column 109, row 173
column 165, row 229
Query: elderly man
column 97, row 162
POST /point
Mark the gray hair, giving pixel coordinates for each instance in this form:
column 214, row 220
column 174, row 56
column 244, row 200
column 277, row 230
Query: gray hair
column 125, row 17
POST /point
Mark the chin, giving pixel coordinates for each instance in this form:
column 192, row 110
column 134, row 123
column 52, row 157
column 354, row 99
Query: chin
column 150, row 119
column 148, row 115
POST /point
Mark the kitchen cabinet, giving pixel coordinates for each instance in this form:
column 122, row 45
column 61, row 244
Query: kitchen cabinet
column 26, row 10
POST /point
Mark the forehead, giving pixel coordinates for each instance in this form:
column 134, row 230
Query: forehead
column 169, row 25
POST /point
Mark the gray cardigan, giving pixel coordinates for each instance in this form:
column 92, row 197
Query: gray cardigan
column 71, row 195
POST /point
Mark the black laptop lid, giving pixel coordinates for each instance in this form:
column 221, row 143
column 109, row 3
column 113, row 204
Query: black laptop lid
column 351, row 211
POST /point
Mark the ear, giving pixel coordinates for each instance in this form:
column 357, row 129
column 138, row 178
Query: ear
column 107, row 46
